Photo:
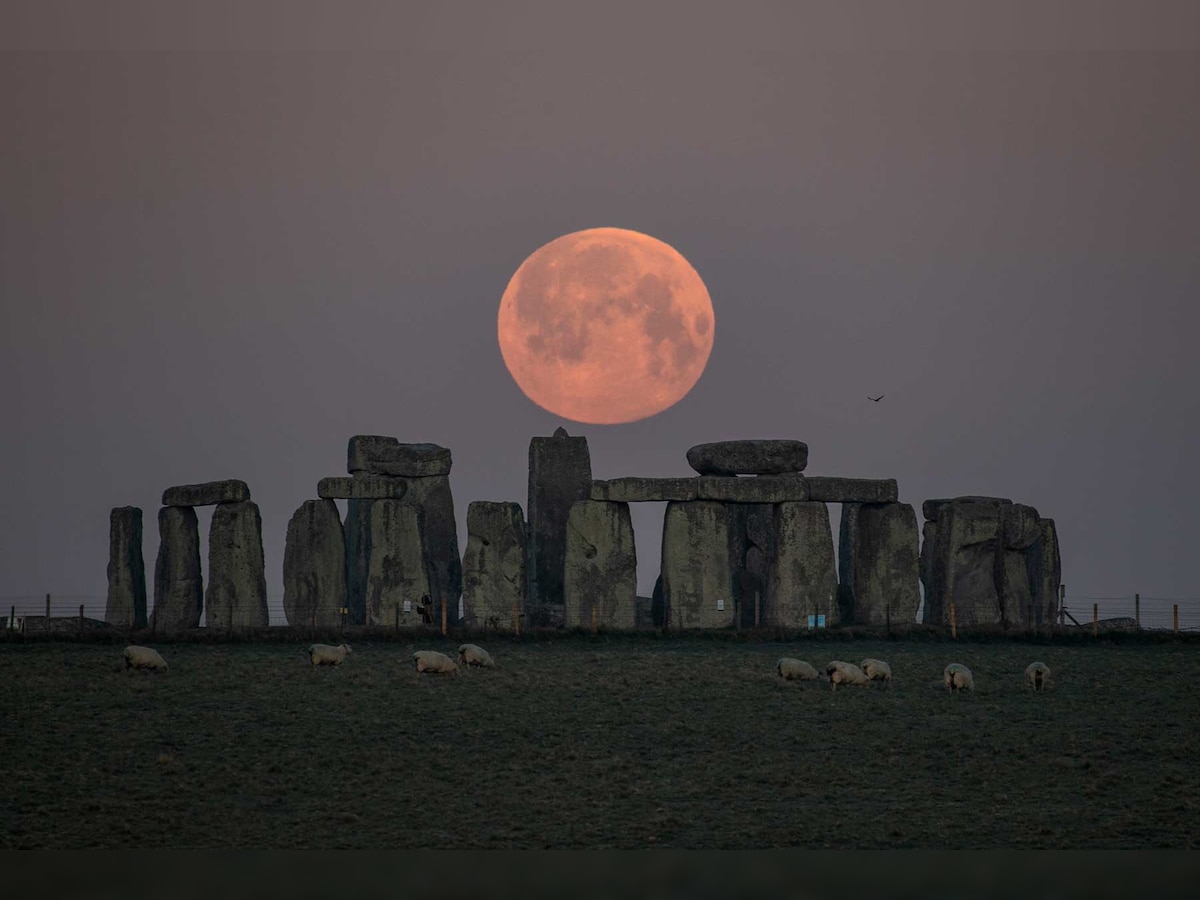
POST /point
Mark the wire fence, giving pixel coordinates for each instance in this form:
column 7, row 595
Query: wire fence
column 70, row 613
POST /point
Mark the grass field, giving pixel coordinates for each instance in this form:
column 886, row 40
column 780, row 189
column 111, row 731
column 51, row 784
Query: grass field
column 598, row 742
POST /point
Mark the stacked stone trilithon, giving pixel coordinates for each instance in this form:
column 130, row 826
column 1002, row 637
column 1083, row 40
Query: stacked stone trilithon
column 997, row 561
column 237, row 590
column 398, row 547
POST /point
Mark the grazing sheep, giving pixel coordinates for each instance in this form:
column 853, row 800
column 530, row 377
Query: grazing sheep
column 435, row 663
column 877, row 670
column 795, row 670
column 958, row 677
column 144, row 658
column 845, row 673
column 474, row 655
column 327, row 654
column 1037, row 674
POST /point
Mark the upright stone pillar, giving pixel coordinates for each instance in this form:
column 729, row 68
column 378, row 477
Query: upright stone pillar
column 314, row 566
column 802, row 581
column 750, row 554
column 398, row 569
column 237, row 583
column 494, row 577
column 178, row 584
column 698, row 587
column 126, row 606
column 600, row 566
column 357, row 532
column 877, row 564
column 439, row 540
column 560, row 473
column 1045, row 573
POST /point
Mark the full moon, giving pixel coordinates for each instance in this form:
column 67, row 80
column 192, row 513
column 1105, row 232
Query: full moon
column 605, row 326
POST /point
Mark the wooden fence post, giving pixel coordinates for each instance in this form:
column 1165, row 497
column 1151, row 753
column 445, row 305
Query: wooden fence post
column 1175, row 616
column 953, row 621
column 1137, row 609
column 1062, row 604
column 47, row 612
column 516, row 621
column 443, row 616
column 397, row 619
column 595, row 619
column 81, row 618
column 1095, row 619
column 12, row 619
column 757, row 609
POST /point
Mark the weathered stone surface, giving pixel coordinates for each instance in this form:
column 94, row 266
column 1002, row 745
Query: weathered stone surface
column 698, row 587
column 178, row 584
column 878, row 569
column 750, row 553
column 439, row 534
column 986, row 555
column 314, row 566
column 770, row 457
column 374, row 454
column 638, row 490
column 358, row 556
column 207, row 494
column 362, row 487
column 494, row 577
column 560, row 473
column 600, row 566
column 126, row 604
column 852, row 490
column 801, row 579
column 760, row 489
column 398, row 568
column 237, row 584
column 1045, row 573
column 931, row 509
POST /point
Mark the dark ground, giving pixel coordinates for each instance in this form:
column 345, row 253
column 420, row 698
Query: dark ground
column 598, row 742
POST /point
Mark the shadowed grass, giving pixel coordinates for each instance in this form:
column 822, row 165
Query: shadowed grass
column 597, row 742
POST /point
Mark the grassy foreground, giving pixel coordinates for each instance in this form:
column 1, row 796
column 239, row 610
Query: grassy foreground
column 598, row 742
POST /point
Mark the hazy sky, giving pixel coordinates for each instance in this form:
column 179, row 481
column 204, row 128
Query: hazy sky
column 233, row 238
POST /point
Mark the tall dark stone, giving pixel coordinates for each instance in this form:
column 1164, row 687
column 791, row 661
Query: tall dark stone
column 802, row 580
column 560, row 473
column 237, row 583
column 398, row 569
column 314, row 566
column 878, row 564
column 358, row 553
column 126, row 606
column 439, row 540
column 178, row 584
column 600, row 567
column 494, row 577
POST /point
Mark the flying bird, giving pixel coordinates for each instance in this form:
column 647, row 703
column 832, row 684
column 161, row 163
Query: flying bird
column 877, row 399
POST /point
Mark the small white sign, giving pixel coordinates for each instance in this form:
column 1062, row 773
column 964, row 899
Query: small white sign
column 408, row 606
column 720, row 605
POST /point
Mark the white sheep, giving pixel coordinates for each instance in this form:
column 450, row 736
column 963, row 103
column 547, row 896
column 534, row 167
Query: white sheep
column 327, row 654
column 877, row 670
column 1037, row 675
column 958, row 677
column 435, row 663
column 144, row 658
column 795, row 670
column 474, row 655
column 845, row 673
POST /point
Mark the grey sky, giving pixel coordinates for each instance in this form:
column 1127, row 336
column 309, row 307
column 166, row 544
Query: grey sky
column 223, row 264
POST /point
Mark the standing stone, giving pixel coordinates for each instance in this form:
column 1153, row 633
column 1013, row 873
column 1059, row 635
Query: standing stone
column 802, row 580
column 439, row 540
column 398, row 569
column 314, row 566
column 237, row 583
column 878, row 570
column 560, row 473
column 126, row 606
column 698, row 586
column 494, row 577
column 750, row 553
column 178, row 584
column 600, row 566
column 1045, row 573
column 358, row 556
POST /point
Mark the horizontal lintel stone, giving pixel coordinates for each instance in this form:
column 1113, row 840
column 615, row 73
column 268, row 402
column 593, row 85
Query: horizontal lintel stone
column 759, row 489
column 209, row 493
column 362, row 487
column 824, row 489
column 641, row 490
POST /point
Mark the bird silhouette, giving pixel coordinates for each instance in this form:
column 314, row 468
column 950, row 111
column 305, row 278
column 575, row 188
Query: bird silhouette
column 877, row 399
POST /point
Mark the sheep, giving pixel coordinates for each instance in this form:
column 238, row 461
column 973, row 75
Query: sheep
column 877, row 670
column 435, row 663
column 958, row 677
column 1037, row 674
column 474, row 655
column 795, row 670
column 327, row 654
column 845, row 673
column 144, row 658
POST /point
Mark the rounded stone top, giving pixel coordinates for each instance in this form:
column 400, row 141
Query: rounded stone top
column 750, row 457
